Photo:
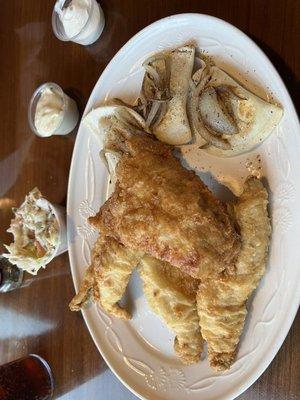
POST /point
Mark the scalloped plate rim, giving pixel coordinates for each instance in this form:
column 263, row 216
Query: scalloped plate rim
column 283, row 331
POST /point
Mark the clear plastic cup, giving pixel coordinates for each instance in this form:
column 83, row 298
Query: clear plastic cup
column 90, row 31
column 69, row 116
column 62, row 244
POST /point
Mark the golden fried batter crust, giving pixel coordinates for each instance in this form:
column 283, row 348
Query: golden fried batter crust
column 172, row 295
column 222, row 302
column 164, row 210
column 107, row 277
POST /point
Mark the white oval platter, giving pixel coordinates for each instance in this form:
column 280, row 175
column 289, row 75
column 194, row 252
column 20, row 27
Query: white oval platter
column 140, row 351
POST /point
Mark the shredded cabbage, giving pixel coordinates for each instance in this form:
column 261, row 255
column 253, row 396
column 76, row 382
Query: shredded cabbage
column 36, row 233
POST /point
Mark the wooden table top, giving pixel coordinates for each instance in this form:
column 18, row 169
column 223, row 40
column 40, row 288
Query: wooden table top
column 36, row 319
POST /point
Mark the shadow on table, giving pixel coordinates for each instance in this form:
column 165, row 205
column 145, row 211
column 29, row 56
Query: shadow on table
column 73, row 370
column 36, row 319
column 68, row 347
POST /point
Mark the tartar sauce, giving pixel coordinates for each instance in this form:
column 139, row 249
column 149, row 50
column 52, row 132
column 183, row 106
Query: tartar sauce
column 49, row 112
column 83, row 20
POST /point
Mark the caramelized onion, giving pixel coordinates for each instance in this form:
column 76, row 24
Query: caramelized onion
column 152, row 113
column 155, row 86
column 194, row 118
column 214, row 114
column 161, row 113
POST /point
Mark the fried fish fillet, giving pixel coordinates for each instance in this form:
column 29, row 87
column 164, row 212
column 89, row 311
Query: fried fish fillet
column 107, row 277
column 172, row 295
column 165, row 211
column 221, row 302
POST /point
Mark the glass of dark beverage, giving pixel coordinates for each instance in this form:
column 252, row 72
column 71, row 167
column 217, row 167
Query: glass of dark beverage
column 29, row 378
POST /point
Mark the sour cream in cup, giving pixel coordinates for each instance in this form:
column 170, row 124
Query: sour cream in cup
column 79, row 21
column 51, row 111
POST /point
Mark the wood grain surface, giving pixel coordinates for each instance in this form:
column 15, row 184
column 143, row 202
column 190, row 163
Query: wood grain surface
column 36, row 318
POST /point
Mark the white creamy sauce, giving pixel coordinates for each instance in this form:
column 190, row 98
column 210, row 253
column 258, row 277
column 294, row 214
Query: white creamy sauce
column 83, row 20
column 49, row 112
column 74, row 17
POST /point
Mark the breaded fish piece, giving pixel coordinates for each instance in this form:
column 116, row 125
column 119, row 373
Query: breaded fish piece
column 222, row 302
column 166, row 211
column 172, row 295
column 107, row 277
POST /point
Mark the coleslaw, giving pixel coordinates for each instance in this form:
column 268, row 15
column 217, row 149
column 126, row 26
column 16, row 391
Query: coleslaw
column 36, row 233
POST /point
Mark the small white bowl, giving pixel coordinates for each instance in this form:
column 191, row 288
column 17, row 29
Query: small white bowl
column 89, row 33
column 70, row 113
